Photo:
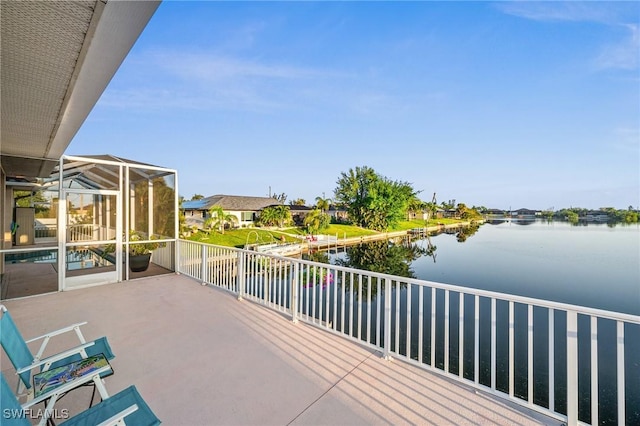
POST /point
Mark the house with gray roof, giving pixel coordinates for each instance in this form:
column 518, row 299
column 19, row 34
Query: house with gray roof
column 245, row 209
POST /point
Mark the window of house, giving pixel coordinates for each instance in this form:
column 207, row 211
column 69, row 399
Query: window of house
column 247, row 216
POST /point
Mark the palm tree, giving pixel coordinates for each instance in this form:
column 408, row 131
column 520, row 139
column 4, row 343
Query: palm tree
column 323, row 204
column 283, row 215
column 218, row 219
column 316, row 221
column 275, row 215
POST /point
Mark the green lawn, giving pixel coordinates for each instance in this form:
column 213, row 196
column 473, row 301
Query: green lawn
column 239, row 237
column 405, row 225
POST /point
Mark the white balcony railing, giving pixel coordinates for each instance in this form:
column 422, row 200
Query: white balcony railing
column 565, row 361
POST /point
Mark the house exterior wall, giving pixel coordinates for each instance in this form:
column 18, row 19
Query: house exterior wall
column 198, row 217
column 3, row 225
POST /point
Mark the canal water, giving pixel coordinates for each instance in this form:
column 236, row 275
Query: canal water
column 592, row 265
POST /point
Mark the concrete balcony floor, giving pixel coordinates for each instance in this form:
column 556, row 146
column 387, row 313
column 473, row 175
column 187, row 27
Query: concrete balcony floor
column 201, row 357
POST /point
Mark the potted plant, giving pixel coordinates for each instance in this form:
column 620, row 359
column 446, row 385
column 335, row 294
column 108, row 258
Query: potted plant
column 139, row 253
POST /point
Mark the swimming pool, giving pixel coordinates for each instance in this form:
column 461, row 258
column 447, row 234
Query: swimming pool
column 76, row 258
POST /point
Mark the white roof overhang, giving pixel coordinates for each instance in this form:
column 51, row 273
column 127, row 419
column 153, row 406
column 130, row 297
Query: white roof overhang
column 57, row 59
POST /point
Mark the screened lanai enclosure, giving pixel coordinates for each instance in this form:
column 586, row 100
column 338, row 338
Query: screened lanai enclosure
column 82, row 225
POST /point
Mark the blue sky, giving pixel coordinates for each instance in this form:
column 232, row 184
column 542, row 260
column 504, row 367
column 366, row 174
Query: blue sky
column 496, row 104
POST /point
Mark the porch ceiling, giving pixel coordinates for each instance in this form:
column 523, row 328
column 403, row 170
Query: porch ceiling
column 57, row 59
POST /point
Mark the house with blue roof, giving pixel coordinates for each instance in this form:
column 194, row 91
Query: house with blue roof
column 246, row 210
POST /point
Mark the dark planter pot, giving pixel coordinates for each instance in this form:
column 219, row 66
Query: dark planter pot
column 139, row 263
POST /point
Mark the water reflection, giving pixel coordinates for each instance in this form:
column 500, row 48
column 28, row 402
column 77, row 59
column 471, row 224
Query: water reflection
column 383, row 256
column 466, row 232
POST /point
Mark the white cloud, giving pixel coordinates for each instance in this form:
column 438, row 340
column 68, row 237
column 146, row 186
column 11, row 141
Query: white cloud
column 191, row 80
column 627, row 139
column 623, row 55
column 210, row 67
column 560, row 11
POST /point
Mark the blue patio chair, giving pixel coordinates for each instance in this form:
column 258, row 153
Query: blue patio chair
column 24, row 361
column 125, row 407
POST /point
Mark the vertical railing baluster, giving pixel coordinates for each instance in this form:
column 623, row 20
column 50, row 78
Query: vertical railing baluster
column 279, row 296
column 378, row 315
column 312, row 283
column 433, row 327
column 408, row 340
column 305, row 281
column 512, row 358
column 594, row 371
column 530, row 354
column 318, row 288
column 369, row 308
column 620, row 371
column 342, row 301
column 572, row 368
column 328, row 323
column 334, row 287
column 351, row 304
column 360, row 307
column 446, row 330
column 476, row 340
column 241, row 275
column 397, row 340
column 552, row 358
column 461, row 335
column 293, row 294
column 387, row 319
column 203, row 270
column 420, row 322
column 254, row 275
column 493, row 343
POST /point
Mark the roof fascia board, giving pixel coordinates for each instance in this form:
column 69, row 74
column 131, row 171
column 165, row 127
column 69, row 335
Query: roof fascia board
column 114, row 29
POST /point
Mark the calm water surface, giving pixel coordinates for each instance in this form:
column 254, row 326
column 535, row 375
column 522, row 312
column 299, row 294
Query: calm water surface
column 596, row 265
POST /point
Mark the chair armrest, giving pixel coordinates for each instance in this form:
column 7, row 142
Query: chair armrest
column 117, row 419
column 37, row 363
column 57, row 332
column 48, row 336
column 95, row 375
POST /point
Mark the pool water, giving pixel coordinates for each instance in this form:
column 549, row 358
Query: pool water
column 76, row 259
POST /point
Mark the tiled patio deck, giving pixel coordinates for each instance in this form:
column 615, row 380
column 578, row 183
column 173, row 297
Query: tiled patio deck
column 200, row 357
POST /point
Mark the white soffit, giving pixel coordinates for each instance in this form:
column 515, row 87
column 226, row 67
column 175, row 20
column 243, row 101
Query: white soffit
column 57, row 59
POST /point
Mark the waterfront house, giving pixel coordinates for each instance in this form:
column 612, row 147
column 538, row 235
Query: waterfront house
column 524, row 213
column 298, row 213
column 338, row 214
column 595, row 216
column 230, row 352
column 245, row 209
column 495, row 212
